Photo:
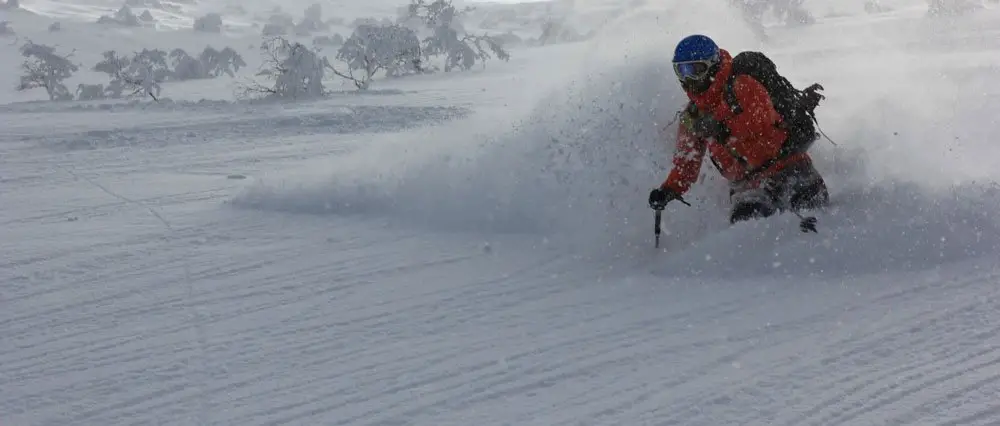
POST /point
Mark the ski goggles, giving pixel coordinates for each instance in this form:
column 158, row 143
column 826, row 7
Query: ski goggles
column 693, row 70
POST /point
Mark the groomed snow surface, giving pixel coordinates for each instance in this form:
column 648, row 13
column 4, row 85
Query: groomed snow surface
column 475, row 248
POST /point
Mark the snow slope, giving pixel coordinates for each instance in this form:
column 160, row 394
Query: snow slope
column 475, row 249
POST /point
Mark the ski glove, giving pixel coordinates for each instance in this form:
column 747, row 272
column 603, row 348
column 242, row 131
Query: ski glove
column 703, row 125
column 659, row 197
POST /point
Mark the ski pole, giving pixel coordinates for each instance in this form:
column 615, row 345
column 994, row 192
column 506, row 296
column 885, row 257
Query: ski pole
column 657, row 216
column 656, row 225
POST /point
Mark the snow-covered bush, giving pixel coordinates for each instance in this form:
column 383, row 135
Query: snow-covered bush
column 373, row 48
column 90, row 92
column 123, row 16
column 44, row 68
column 294, row 70
column 147, row 16
column 952, row 7
column 11, row 4
column 55, row 26
column 211, row 23
column 6, row 29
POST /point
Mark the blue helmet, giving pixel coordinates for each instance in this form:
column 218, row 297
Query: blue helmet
column 696, row 48
column 694, row 57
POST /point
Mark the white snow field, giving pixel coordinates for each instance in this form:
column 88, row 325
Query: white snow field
column 475, row 248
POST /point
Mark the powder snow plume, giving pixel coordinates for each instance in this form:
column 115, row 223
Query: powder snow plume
column 576, row 163
column 580, row 156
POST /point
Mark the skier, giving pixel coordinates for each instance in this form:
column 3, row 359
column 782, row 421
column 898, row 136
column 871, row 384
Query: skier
column 758, row 148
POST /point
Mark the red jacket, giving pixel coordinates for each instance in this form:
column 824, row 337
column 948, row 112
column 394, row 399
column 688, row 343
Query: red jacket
column 755, row 136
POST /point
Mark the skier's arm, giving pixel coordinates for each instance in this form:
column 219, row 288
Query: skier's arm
column 687, row 161
column 756, row 136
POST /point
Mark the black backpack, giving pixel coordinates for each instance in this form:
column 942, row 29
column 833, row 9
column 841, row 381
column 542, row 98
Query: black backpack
column 795, row 106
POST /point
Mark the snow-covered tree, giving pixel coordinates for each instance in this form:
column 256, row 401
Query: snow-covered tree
column 54, row 27
column 211, row 23
column 44, row 68
column 447, row 38
column 312, row 21
column 294, row 70
column 218, row 62
column 394, row 49
column 155, row 61
column 113, row 65
column 187, row 67
column 144, row 81
column 6, row 29
column 141, row 75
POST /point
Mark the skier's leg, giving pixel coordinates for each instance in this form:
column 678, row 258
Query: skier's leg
column 807, row 189
column 750, row 203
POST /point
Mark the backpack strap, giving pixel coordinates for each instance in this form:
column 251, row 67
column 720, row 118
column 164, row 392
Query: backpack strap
column 729, row 95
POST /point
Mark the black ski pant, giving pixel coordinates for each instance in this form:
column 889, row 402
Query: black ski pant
column 796, row 187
